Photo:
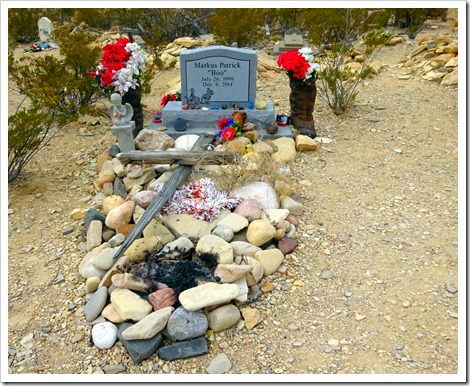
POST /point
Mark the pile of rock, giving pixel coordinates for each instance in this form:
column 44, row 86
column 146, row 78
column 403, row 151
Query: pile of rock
column 170, row 56
column 250, row 243
column 435, row 59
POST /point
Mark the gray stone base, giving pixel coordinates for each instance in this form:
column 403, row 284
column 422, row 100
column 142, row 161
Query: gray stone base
column 205, row 121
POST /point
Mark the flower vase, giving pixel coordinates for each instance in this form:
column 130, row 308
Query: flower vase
column 134, row 98
column 302, row 101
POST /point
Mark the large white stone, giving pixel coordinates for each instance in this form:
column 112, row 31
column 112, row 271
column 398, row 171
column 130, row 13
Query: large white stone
column 208, row 294
column 260, row 191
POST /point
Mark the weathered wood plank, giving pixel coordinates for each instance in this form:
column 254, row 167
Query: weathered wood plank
column 169, row 187
column 180, row 158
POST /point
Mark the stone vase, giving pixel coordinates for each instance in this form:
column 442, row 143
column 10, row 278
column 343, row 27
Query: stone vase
column 134, row 98
column 302, row 102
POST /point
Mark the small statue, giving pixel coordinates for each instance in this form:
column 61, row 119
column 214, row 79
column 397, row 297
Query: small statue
column 120, row 114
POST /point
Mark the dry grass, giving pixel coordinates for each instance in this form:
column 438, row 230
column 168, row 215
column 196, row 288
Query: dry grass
column 252, row 167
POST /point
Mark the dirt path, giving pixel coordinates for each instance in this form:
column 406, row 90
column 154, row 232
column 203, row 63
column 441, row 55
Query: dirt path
column 372, row 288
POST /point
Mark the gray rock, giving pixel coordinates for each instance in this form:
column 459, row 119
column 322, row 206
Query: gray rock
column 220, row 364
column 225, row 233
column 184, row 325
column 185, row 349
column 327, row 274
column 119, row 188
column 113, row 369
column 96, row 304
column 223, row 317
column 141, row 349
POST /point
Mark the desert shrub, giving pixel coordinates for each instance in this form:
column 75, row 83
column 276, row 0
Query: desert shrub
column 240, row 25
column 341, row 33
column 412, row 19
column 28, row 131
column 23, row 24
column 56, row 89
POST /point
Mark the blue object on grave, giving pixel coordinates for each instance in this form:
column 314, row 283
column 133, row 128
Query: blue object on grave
column 215, row 107
column 251, row 104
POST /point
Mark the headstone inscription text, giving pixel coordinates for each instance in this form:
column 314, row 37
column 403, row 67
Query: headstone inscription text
column 218, row 75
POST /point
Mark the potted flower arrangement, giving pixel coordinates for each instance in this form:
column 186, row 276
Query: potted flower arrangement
column 120, row 69
column 302, row 72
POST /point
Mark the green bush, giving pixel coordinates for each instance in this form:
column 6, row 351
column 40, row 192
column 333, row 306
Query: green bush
column 338, row 80
column 29, row 130
column 57, row 89
column 23, row 24
column 240, row 25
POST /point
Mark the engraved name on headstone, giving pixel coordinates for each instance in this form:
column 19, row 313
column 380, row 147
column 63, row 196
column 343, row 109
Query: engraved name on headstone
column 217, row 76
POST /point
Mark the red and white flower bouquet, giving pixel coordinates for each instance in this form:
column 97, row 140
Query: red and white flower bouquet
column 120, row 68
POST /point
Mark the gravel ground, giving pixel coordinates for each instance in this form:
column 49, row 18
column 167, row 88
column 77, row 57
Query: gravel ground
column 371, row 289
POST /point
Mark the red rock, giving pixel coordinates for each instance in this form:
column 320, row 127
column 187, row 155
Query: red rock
column 120, row 215
column 287, row 245
column 162, row 298
column 144, row 198
column 250, row 209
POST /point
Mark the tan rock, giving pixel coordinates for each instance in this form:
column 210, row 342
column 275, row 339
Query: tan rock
column 120, row 215
column 252, row 317
column 260, row 232
column 129, row 305
column 104, row 177
column 451, row 78
column 207, row 294
column 111, row 202
column 270, row 259
column 78, row 214
column 305, row 143
column 230, row 273
column 140, row 248
column 285, row 149
column 418, row 50
column 110, row 313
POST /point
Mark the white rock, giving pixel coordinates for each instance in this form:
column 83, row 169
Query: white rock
column 208, row 294
column 275, row 216
column 104, row 335
column 186, row 142
column 260, row 191
column 234, row 221
column 214, row 244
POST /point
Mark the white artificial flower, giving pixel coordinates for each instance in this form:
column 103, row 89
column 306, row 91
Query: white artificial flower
column 305, row 51
column 316, row 66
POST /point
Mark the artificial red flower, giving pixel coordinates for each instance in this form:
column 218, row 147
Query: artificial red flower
column 228, row 134
column 222, row 123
